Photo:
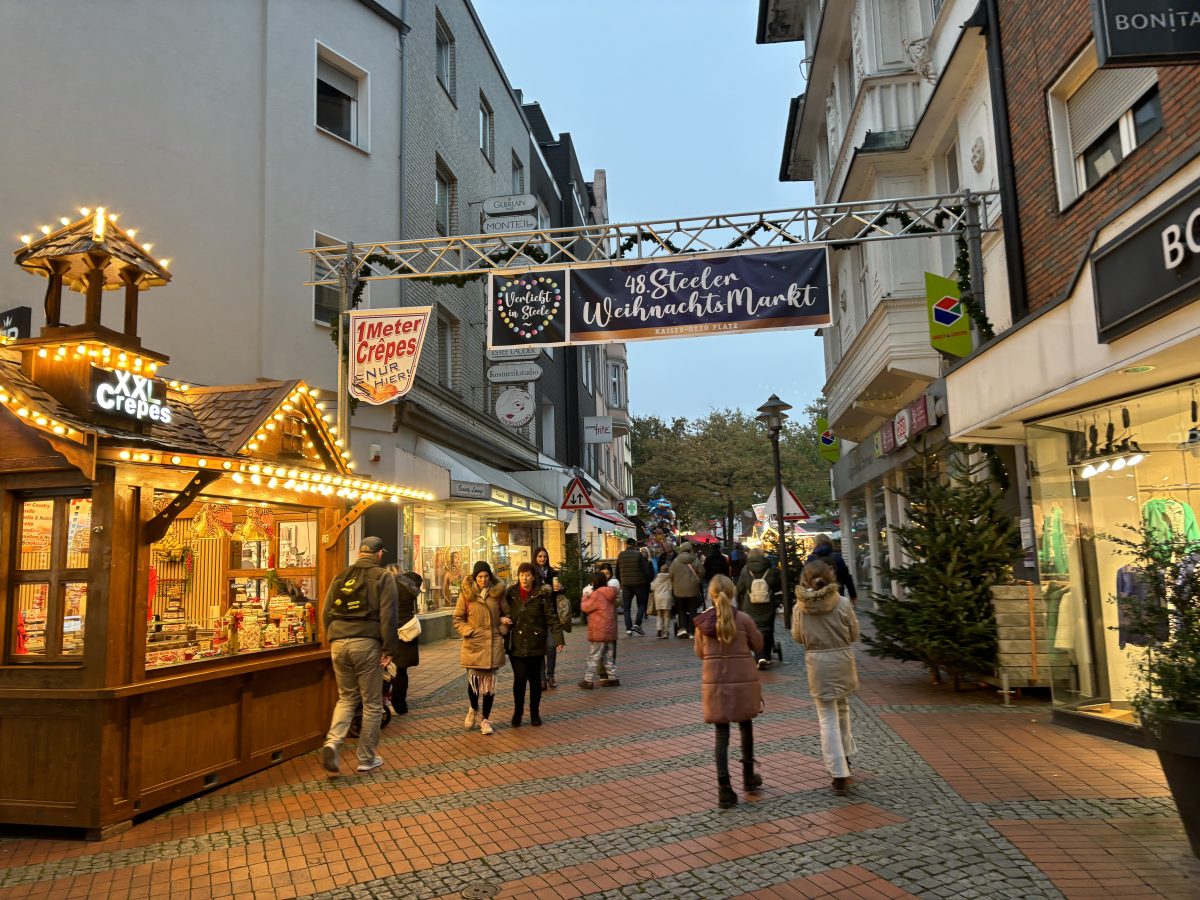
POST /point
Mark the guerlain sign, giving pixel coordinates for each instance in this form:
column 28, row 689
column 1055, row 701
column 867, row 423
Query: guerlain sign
column 1146, row 32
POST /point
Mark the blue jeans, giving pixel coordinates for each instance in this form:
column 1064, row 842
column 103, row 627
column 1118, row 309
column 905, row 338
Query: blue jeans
column 359, row 675
column 639, row 593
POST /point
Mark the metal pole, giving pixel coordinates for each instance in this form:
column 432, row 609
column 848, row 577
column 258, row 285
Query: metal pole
column 343, row 398
column 783, row 548
column 974, row 247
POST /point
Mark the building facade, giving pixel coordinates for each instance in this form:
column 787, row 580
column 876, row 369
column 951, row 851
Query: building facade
column 1098, row 375
column 354, row 122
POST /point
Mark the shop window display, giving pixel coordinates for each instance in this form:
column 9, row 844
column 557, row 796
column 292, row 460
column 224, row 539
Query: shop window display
column 1130, row 463
column 49, row 580
column 231, row 578
column 859, row 536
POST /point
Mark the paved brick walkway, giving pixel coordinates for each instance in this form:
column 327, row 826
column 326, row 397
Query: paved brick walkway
column 956, row 796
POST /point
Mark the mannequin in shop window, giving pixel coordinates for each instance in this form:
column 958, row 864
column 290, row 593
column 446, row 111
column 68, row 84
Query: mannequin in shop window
column 452, row 576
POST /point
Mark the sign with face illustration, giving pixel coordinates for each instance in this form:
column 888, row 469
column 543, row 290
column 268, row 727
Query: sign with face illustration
column 514, row 407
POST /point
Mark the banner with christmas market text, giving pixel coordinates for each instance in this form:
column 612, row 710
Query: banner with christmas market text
column 385, row 346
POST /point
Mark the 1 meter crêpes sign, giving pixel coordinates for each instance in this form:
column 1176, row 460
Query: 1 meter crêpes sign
column 676, row 297
column 385, row 346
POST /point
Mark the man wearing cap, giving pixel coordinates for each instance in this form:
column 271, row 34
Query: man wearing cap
column 360, row 621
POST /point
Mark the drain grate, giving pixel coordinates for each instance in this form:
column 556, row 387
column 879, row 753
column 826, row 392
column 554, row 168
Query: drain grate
column 480, row 890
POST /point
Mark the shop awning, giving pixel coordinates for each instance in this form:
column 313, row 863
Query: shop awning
column 606, row 520
column 476, row 485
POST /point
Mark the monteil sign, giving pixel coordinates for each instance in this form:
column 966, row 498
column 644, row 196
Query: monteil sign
column 1146, row 32
column 127, row 394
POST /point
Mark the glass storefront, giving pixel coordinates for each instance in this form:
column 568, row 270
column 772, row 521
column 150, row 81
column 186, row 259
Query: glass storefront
column 1096, row 473
column 856, row 533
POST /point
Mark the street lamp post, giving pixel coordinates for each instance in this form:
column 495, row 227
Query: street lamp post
column 773, row 414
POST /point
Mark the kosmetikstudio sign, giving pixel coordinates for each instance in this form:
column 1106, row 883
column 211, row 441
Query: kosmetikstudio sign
column 663, row 298
column 1146, row 32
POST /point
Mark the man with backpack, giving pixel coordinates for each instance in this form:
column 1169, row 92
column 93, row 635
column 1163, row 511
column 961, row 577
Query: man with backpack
column 758, row 592
column 360, row 622
column 634, row 573
column 687, row 576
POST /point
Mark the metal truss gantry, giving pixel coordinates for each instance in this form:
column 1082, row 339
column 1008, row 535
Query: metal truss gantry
column 832, row 224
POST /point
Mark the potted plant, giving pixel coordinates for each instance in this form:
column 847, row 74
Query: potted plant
column 1161, row 611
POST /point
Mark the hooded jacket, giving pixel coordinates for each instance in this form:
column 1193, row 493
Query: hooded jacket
column 380, row 621
column 662, row 598
column 477, row 620
column 758, row 566
column 823, row 622
column 686, row 573
column 729, row 690
column 601, row 608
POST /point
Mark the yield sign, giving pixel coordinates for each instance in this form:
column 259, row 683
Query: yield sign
column 793, row 509
column 576, row 496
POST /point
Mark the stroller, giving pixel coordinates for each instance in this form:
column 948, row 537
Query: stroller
column 389, row 673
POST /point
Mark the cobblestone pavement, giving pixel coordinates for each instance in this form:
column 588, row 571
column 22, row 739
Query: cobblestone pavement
column 615, row 796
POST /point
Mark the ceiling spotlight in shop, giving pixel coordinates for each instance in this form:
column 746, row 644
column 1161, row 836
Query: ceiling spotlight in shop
column 1111, row 463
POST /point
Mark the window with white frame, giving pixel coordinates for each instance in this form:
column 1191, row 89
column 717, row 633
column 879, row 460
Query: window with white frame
column 341, row 98
column 1097, row 118
column 589, row 458
column 447, row 333
column 518, row 175
column 445, row 200
column 616, row 386
column 953, row 175
column 326, row 297
column 588, row 367
column 445, row 54
column 487, row 129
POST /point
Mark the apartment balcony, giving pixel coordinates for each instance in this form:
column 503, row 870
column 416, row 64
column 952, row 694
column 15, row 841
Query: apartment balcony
column 620, row 419
column 888, row 364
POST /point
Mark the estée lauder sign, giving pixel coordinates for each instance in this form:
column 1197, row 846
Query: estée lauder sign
column 1146, row 32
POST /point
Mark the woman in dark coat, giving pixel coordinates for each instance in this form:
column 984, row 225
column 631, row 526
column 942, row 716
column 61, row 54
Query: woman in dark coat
column 534, row 620
column 408, row 588
column 823, row 550
column 546, row 574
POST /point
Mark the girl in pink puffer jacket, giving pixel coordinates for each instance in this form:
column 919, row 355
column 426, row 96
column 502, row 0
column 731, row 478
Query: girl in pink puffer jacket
column 601, row 609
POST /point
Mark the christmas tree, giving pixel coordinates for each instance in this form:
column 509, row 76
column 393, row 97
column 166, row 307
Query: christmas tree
column 958, row 542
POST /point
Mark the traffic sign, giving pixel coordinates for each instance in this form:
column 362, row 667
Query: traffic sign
column 793, row 509
column 576, row 496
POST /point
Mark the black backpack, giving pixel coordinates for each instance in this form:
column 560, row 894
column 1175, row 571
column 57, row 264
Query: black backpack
column 350, row 597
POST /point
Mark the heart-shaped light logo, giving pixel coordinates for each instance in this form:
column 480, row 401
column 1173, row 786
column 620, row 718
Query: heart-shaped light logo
column 523, row 302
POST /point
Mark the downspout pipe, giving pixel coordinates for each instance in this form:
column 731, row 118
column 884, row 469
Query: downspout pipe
column 987, row 17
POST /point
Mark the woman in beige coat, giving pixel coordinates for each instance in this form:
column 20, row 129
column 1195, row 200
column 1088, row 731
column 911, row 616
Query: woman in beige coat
column 823, row 622
column 481, row 618
column 727, row 639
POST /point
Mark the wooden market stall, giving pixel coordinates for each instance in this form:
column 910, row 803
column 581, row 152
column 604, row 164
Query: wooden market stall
column 163, row 552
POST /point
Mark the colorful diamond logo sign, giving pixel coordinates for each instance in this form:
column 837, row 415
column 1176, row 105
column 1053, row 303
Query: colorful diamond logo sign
column 827, row 438
column 947, row 311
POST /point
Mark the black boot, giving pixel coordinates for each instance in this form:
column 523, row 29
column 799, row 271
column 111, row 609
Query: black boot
column 726, row 798
column 751, row 780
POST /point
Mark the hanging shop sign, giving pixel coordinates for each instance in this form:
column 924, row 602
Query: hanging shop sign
column 385, row 346
column 510, row 204
column 469, row 490
column 629, row 508
column 597, row 429
column 669, row 298
column 887, row 438
column 509, row 224
column 1151, row 269
column 505, row 354
column 514, row 407
column 1146, row 32
column 15, row 323
column 949, row 324
column 902, row 427
column 130, row 395
column 514, row 372
column 828, row 445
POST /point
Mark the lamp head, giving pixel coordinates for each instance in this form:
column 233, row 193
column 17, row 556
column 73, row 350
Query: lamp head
column 773, row 413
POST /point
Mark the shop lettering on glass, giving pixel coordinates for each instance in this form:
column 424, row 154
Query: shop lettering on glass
column 386, row 346
column 527, row 309
column 128, row 394
column 686, row 298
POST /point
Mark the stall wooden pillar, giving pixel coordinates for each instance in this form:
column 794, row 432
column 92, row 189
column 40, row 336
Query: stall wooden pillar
column 130, row 276
column 95, row 288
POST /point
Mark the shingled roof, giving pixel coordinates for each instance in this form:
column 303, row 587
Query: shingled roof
column 231, row 414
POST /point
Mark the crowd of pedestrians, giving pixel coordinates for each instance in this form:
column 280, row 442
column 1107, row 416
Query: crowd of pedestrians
column 727, row 606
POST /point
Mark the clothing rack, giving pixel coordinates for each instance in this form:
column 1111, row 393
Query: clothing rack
column 1160, row 488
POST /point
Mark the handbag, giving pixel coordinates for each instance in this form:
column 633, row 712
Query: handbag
column 410, row 630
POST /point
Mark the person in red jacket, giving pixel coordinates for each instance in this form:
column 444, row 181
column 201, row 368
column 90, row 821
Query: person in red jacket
column 601, row 609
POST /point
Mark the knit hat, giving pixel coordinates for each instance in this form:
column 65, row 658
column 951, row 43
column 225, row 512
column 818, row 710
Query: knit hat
column 481, row 566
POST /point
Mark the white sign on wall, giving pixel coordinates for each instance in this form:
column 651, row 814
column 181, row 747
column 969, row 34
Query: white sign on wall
column 510, row 223
column 597, row 429
column 499, row 354
column 514, row 372
column 514, row 407
column 509, row 204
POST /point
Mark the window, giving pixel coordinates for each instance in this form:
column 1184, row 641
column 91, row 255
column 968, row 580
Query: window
column 616, row 386
column 445, row 200
column 326, row 297
column 953, row 179
column 49, row 581
column 588, row 365
column 1097, row 118
column 447, row 332
column 589, row 458
column 341, row 95
column 445, row 55
column 487, row 129
column 518, row 176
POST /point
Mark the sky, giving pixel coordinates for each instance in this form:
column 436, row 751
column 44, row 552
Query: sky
column 686, row 114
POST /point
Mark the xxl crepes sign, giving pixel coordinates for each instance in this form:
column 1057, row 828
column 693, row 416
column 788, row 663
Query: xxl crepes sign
column 385, row 347
column 660, row 299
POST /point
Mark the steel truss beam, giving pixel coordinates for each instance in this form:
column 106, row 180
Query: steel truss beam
column 833, row 224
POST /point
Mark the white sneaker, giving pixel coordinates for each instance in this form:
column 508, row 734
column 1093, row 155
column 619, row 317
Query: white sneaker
column 469, row 721
column 374, row 764
column 762, row 663
column 628, row 632
column 680, row 633
column 329, row 758
column 485, row 727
